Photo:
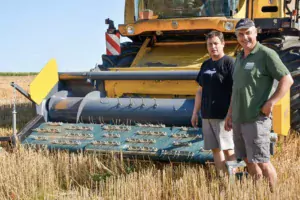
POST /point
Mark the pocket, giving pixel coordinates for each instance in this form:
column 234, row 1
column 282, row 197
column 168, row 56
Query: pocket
column 264, row 123
column 254, row 72
column 261, row 148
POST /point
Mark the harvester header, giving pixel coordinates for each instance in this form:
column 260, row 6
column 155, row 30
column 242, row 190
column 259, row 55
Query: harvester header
column 139, row 100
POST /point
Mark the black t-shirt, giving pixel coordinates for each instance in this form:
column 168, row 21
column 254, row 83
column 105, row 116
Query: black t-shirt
column 215, row 78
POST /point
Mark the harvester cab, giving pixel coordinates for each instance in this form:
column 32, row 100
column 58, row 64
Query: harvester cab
column 139, row 101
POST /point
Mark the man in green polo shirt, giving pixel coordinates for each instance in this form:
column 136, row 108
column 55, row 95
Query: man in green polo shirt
column 249, row 114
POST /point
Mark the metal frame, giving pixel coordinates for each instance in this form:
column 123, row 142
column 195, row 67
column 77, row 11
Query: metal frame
column 141, row 53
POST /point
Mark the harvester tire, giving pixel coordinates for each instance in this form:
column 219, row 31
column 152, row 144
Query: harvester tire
column 288, row 49
column 129, row 51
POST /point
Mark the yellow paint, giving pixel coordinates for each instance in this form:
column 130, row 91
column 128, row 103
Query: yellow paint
column 141, row 53
column 184, row 56
column 241, row 9
column 250, row 13
column 129, row 12
column 44, row 82
column 187, row 24
column 174, row 43
column 151, row 87
column 281, row 116
column 179, row 68
column 257, row 9
column 171, row 57
column 196, row 23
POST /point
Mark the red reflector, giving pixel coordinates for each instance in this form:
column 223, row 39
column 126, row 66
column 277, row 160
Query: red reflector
column 285, row 24
column 294, row 12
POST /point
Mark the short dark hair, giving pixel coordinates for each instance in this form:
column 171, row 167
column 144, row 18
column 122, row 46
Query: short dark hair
column 215, row 34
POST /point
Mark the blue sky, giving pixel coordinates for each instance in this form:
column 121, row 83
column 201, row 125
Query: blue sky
column 71, row 31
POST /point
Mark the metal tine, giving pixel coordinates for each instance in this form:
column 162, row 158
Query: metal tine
column 101, row 121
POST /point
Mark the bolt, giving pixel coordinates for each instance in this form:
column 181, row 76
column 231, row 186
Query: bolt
column 155, row 104
column 143, row 104
column 118, row 104
column 131, row 103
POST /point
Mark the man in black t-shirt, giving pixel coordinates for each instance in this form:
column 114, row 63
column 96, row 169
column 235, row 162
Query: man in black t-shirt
column 213, row 97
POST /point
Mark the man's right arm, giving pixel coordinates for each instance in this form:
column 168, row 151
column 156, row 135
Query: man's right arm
column 197, row 107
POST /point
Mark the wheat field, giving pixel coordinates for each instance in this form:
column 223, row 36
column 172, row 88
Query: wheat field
column 29, row 174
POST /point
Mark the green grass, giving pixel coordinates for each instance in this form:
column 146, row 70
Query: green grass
column 18, row 73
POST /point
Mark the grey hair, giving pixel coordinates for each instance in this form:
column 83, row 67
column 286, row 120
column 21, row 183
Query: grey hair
column 237, row 31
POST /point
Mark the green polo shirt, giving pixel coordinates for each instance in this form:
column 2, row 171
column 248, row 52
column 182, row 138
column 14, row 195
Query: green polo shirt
column 253, row 78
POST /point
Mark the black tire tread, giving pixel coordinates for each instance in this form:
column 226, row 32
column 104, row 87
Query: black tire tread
column 288, row 49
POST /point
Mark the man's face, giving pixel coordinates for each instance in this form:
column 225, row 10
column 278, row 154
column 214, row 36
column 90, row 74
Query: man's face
column 215, row 46
column 247, row 37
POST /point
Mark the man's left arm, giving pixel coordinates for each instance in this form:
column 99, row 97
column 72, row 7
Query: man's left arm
column 279, row 72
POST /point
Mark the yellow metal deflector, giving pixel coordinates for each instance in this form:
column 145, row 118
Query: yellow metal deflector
column 281, row 116
column 44, row 82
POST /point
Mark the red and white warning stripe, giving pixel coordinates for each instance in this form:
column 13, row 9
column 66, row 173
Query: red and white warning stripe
column 113, row 46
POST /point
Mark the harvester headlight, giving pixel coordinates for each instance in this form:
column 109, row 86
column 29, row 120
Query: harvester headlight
column 130, row 30
column 228, row 26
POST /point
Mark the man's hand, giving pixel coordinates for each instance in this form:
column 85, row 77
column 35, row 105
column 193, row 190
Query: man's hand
column 267, row 108
column 194, row 120
column 228, row 123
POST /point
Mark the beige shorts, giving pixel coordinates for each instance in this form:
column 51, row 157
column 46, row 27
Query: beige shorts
column 215, row 136
column 252, row 140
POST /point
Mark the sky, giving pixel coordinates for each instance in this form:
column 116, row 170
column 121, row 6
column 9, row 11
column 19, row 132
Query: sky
column 71, row 31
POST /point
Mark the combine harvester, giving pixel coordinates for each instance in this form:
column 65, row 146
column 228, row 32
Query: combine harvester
column 140, row 100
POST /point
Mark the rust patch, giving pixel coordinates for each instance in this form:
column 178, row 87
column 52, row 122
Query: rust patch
column 62, row 105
